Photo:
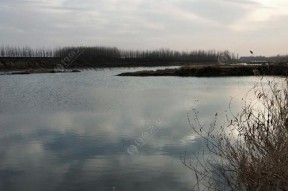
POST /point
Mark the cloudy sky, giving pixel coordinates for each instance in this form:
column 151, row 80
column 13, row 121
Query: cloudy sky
column 237, row 25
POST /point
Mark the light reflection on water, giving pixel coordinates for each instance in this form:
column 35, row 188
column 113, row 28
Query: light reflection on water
column 71, row 131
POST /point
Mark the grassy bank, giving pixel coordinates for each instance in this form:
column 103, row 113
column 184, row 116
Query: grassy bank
column 215, row 71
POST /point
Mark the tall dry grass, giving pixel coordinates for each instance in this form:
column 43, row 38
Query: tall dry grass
column 256, row 159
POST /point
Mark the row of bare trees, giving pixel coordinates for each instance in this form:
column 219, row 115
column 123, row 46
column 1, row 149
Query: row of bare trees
column 8, row 51
column 111, row 54
column 162, row 55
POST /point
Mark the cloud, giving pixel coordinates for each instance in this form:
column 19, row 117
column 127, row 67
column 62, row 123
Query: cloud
column 215, row 10
column 260, row 15
column 136, row 24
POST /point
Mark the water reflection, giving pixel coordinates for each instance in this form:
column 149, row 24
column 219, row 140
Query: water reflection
column 71, row 132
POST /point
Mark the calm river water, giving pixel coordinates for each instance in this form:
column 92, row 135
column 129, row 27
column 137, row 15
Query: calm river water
column 97, row 131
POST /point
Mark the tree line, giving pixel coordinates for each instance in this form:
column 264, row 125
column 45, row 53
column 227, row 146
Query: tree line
column 9, row 51
column 112, row 54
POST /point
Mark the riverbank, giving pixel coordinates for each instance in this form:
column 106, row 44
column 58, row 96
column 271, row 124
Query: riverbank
column 8, row 64
column 31, row 65
column 38, row 71
column 215, row 71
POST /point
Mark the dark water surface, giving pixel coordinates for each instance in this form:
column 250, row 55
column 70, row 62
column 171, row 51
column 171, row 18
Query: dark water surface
column 96, row 131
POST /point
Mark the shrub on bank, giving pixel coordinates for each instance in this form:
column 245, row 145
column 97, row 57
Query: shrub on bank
column 257, row 158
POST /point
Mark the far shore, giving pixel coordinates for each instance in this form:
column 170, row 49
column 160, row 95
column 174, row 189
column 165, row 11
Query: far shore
column 215, row 71
column 32, row 65
column 38, row 65
column 38, row 71
column 46, row 63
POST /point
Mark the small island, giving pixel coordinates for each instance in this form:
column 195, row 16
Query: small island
column 216, row 71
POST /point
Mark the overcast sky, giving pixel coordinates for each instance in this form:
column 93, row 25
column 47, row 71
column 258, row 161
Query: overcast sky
column 237, row 25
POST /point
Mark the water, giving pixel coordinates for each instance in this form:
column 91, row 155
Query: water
column 97, row 131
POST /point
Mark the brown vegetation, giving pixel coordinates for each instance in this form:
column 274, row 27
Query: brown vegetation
column 215, row 71
column 257, row 158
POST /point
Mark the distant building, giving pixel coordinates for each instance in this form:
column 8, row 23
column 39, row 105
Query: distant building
column 263, row 59
column 253, row 59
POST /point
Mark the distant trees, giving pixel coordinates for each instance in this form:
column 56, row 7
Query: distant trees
column 8, row 51
column 90, row 52
column 112, row 54
column 170, row 55
column 107, row 54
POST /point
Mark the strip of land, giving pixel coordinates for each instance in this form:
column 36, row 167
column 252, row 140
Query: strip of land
column 215, row 71
column 30, row 65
